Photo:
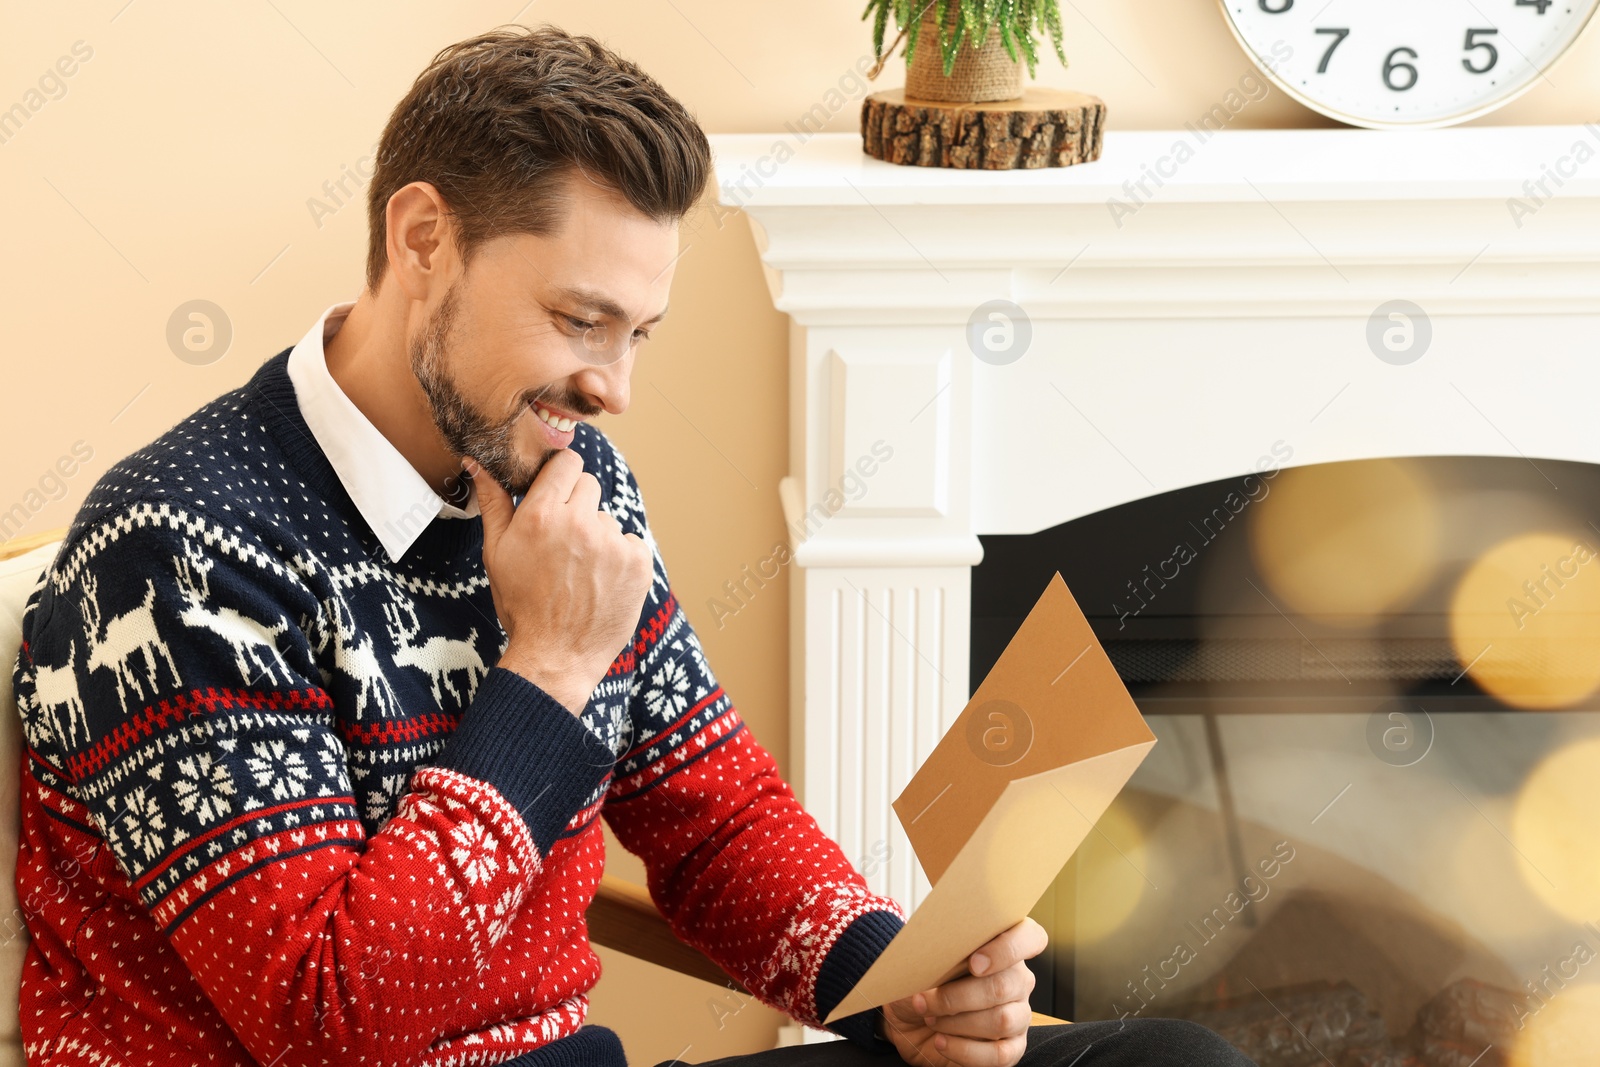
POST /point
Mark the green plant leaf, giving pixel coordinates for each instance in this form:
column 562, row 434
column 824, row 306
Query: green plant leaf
column 913, row 31
column 1052, row 21
column 1020, row 23
column 1030, row 50
column 1005, row 13
column 877, row 27
column 974, row 22
column 955, row 44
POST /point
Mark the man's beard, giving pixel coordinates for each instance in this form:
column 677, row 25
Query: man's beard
column 467, row 431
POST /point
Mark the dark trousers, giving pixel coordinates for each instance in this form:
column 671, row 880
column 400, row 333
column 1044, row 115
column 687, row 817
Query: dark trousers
column 1128, row 1043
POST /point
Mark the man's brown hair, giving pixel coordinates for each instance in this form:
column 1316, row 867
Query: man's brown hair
column 496, row 121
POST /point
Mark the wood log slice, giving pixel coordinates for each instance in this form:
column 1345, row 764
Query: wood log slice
column 1041, row 128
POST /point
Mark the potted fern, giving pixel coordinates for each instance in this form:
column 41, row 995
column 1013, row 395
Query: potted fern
column 979, row 45
column 963, row 104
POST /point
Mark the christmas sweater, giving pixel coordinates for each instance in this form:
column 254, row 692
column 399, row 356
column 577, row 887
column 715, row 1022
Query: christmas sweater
column 279, row 806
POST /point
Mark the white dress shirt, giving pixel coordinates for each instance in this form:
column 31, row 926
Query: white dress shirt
column 396, row 501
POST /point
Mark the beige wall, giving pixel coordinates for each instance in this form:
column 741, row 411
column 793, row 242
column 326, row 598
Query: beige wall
column 178, row 164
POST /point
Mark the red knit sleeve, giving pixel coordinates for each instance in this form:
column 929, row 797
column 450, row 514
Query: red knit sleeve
column 736, row 865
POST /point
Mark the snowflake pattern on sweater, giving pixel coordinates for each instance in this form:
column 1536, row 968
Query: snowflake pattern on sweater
column 279, row 806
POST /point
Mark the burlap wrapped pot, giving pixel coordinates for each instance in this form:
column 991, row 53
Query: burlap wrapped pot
column 978, row 74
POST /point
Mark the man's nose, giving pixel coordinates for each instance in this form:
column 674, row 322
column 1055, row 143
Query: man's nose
column 606, row 384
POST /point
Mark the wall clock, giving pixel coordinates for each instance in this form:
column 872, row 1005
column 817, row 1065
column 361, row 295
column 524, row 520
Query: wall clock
column 1410, row 63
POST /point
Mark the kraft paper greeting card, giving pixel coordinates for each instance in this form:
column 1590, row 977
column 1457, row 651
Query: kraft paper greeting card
column 1009, row 793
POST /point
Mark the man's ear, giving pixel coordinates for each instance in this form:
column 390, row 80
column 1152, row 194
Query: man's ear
column 420, row 239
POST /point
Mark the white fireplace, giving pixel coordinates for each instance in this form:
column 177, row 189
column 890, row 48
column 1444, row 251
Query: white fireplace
column 1197, row 308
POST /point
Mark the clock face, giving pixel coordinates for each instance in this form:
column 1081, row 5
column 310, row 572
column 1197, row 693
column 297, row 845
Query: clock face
column 1406, row 62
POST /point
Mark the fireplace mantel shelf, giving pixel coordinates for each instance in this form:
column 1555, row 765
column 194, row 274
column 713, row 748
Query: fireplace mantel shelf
column 1477, row 162
column 1277, row 222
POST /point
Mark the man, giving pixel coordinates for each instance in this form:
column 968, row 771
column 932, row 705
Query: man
column 320, row 732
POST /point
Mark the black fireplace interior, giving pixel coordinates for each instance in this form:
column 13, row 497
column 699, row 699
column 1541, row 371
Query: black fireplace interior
column 1383, row 670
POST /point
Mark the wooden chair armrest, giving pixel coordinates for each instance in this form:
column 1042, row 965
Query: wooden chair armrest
column 18, row 545
column 624, row 917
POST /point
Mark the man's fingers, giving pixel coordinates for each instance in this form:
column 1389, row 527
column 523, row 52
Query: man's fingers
column 1000, row 1021
column 493, row 502
column 586, row 492
column 556, row 480
column 1022, row 942
column 645, row 555
column 975, row 1052
column 608, row 522
column 904, row 1011
column 975, row 993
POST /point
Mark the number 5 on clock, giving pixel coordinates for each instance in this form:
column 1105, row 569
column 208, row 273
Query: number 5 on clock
column 1494, row 54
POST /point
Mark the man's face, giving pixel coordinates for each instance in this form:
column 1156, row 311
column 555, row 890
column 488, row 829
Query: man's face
column 542, row 329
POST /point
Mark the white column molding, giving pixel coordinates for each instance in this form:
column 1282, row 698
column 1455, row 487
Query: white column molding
column 884, row 673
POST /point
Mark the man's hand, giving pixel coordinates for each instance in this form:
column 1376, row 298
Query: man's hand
column 567, row 583
column 977, row 1020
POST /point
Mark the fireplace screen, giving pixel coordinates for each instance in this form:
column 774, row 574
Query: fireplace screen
column 1369, row 832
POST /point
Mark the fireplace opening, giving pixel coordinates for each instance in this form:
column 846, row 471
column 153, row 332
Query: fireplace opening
column 1367, row 833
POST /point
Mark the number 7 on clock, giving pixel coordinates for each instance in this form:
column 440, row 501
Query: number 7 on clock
column 1339, row 35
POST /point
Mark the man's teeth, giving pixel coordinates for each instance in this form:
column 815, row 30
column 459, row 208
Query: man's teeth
column 558, row 423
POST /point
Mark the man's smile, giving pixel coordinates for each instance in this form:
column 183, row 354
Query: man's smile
column 557, row 426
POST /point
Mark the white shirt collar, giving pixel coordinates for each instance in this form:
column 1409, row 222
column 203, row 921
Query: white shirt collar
column 396, row 501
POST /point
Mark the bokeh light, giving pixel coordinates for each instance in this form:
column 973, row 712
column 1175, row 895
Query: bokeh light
column 1554, row 828
column 1562, row 1032
column 1108, row 886
column 1461, row 867
column 1346, row 542
column 1525, row 620
column 1113, row 864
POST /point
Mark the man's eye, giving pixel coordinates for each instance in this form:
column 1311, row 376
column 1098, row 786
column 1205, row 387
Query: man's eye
column 583, row 325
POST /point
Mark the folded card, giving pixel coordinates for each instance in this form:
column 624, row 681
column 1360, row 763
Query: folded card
column 1007, row 796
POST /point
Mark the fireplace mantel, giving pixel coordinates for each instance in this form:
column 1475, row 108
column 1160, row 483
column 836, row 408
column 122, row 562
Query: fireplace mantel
column 1182, row 332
